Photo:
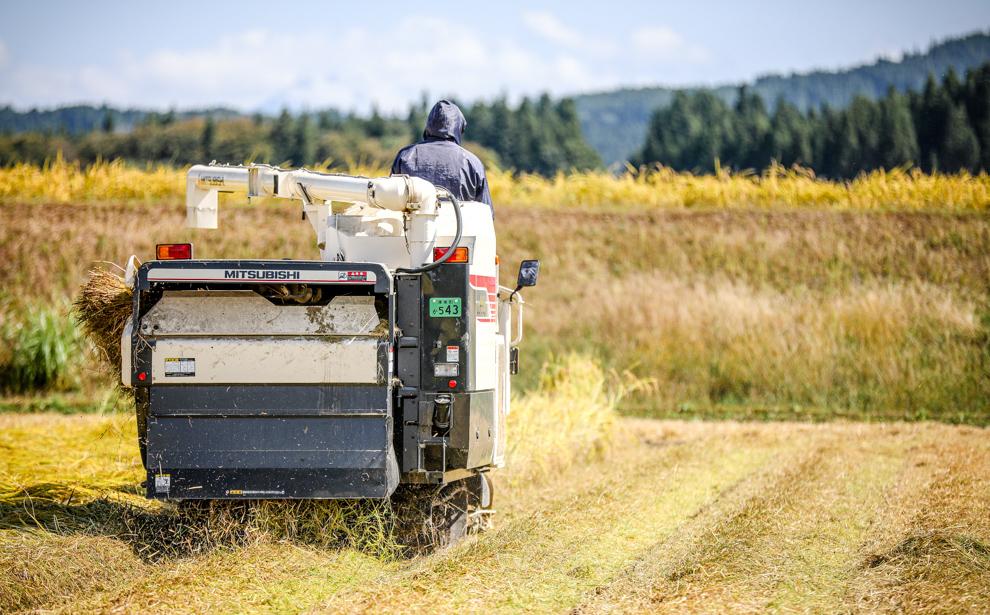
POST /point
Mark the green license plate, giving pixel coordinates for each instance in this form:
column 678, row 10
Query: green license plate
column 445, row 307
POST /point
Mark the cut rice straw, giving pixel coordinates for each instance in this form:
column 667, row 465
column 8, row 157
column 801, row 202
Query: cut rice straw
column 103, row 305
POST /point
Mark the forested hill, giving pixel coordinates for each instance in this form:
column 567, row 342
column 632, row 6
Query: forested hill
column 80, row 119
column 615, row 122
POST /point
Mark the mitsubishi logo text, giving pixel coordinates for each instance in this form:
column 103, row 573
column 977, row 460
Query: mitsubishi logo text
column 260, row 274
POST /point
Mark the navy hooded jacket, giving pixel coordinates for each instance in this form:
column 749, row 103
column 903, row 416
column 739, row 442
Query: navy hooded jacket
column 440, row 159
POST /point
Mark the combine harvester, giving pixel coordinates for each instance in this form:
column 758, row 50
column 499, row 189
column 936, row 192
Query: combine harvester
column 381, row 370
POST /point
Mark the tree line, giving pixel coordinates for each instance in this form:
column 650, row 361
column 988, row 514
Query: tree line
column 537, row 135
column 944, row 127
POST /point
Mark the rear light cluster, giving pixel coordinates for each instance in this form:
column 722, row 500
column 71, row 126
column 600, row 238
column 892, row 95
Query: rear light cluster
column 460, row 254
column 173, row 251
column 444, row 370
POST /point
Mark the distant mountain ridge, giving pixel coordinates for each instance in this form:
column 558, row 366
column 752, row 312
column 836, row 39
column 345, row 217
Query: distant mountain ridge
column 615, row 122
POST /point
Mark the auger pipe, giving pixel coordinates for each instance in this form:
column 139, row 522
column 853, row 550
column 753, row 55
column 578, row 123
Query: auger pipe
column 205, row 182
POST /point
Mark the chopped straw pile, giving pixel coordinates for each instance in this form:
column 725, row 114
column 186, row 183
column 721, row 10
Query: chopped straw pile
column 103, row 306
column 201, row 526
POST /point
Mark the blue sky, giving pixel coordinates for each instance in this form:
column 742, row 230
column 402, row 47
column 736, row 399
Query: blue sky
column 263, row 55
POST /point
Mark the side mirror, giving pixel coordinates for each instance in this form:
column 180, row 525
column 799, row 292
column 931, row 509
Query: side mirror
column 529, row 271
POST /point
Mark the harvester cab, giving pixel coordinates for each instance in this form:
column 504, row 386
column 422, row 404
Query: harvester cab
column 381, row 370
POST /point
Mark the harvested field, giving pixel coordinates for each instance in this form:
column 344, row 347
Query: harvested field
column 677, row 516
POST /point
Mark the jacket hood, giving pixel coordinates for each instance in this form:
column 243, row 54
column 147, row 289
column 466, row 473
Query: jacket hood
column 445, row 122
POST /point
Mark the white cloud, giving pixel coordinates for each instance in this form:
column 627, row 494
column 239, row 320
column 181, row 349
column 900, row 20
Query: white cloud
column 353, row 70
column 358, row 67
column 657, row 39
column 662, row 43
column 547, row 25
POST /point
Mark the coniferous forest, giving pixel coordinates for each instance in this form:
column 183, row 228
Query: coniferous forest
column 944, row 127
column 615, row 122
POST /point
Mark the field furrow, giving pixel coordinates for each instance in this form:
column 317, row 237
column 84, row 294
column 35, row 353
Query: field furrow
column 780, row 539
column 546, row 559
column 788, row 549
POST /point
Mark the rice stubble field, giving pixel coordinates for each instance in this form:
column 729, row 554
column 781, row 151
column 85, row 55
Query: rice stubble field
column 673, row 516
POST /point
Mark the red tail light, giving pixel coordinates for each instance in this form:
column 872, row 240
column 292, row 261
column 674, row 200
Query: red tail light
column 174, row 251
column 460, row 255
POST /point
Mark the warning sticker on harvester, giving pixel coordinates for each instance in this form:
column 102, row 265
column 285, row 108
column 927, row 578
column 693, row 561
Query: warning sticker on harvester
column 453, row 354
column 255, row 492
column 445, row 307
column 177, row 367
column 162, row 483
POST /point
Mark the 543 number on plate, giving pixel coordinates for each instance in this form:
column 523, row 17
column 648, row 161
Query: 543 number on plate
column 445, row 307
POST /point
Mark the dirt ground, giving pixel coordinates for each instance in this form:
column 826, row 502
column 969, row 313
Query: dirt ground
column 677, row 516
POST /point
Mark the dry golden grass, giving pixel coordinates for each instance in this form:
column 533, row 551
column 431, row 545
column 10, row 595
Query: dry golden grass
column 683, row 516
column 838, row 527
column 882, row 350
column 656, row 188
column 783, row 314
column 930, row 549
column 43, row 568
column 779, row 313
column 569, row 418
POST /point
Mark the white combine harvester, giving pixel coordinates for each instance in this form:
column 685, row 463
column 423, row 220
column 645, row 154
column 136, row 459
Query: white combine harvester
column 382, row 367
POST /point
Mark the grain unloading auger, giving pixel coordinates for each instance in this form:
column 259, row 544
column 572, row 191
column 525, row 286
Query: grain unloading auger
column 385, row 365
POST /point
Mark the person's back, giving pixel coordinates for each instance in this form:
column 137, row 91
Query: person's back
column 440, row 159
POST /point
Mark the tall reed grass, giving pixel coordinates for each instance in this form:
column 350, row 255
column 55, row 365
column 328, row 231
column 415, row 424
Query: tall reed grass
column 777, row 187
column 59, row 181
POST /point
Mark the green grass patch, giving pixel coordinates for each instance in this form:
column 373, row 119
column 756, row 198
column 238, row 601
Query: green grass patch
column 42, row 348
